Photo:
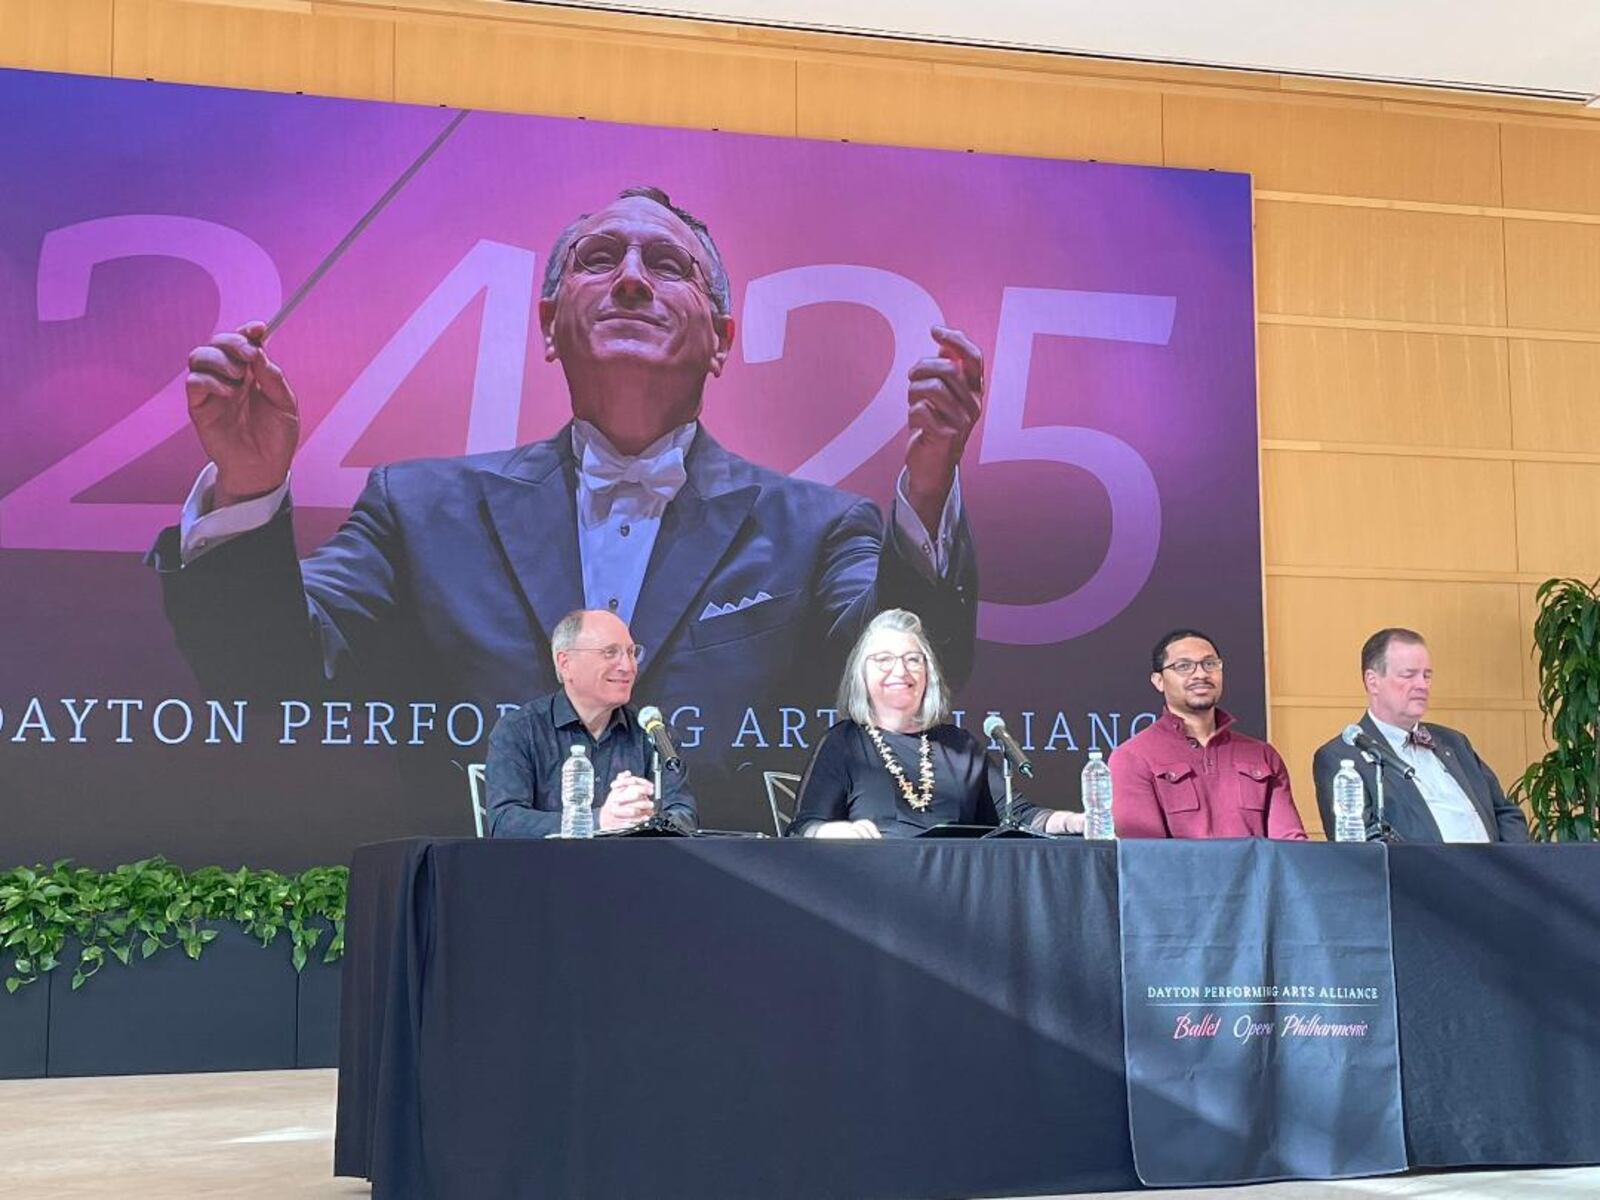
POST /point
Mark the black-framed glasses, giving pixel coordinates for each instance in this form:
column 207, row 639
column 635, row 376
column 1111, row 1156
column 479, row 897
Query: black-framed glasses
column 1185, row 666
column 665, row 261
column 614, row 652
column 914, row 661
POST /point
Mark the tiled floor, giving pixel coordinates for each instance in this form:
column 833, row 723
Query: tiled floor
column 268, row 1135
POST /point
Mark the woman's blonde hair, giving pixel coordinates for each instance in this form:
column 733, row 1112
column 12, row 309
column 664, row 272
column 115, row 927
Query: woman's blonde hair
column 854, row 700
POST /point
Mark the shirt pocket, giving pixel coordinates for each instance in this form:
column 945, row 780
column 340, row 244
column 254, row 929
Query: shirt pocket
column 1255, row 781
column 1176, row 789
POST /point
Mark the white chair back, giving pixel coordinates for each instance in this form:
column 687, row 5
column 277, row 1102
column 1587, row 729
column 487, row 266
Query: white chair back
column 781, row 783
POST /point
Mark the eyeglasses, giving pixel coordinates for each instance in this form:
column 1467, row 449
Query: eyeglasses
column 914, row 661
column 613, row 653
column 1186, row 666
column 664, row 261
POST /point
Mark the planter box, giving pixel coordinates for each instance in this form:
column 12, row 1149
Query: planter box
column 232, row 1010
column 24, row 1028
column 317, row 1023
column 240, row 1007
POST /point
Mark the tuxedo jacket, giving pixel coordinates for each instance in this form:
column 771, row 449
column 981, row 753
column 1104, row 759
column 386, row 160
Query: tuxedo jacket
column 448, row 576
column 1404, row 809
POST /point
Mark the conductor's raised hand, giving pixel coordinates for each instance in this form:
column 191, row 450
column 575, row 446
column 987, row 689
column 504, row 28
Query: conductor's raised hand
column 945, row 400
column 245, row 413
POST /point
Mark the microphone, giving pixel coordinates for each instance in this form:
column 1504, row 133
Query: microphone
column 651, row 720
column 1358, row 737
column 994, row 727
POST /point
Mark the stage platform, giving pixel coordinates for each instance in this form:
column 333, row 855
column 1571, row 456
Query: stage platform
column 268, row 1135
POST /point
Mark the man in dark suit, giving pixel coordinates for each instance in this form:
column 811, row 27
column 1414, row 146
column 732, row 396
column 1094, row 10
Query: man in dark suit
column 744, row 586
column 1451, row 794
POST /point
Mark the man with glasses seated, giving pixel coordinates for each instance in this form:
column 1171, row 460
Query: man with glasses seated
column 597, row 662
column 1194, row 774
column 450, row 574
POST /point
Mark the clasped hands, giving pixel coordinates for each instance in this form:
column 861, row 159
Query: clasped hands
column 630, row 801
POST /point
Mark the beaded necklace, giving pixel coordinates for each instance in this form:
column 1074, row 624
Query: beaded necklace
column 923, row 800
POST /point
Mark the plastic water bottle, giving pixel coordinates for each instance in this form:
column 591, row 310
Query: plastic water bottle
column 577, row 795
column 1097, row 822
column 1349, row 804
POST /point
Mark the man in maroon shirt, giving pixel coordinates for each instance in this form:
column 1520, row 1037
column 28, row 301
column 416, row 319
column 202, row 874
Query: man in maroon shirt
column 1193, row 774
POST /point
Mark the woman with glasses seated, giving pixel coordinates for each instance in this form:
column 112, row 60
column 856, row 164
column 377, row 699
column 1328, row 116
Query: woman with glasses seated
column 895, row 765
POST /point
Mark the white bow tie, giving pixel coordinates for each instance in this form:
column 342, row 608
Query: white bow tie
column 604, row 477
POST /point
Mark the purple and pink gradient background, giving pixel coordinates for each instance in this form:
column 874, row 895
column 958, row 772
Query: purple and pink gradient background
column 293, row 174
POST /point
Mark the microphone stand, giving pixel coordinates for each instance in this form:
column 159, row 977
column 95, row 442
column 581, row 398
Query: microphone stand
column 1009, row 826
column 657, row 824
column 1384, row 834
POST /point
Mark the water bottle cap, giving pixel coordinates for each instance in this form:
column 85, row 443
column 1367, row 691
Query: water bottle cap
column 580, row 752
column 1094, row 754
column 1347, row 762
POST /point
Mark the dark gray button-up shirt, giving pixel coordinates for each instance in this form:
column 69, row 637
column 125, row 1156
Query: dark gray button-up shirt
column 528, row 748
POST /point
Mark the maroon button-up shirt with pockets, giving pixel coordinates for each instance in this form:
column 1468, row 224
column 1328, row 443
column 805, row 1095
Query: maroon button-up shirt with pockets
column 1166, row 784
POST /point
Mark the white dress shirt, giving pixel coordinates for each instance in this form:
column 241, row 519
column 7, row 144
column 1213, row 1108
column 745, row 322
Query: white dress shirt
column 202, row 526
column 620, row 502
column 621, row 498
column 1453, row 812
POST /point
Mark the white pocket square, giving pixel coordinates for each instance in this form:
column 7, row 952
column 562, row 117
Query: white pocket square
column 722, row 610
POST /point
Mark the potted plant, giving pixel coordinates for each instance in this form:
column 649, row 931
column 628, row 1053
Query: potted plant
column 1562, row 790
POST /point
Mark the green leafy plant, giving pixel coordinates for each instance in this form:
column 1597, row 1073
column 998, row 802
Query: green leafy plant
column 148, row 907
column 1563, row 788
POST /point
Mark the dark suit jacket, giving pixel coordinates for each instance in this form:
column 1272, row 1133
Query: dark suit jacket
column 449, row 575
column 1404, row 808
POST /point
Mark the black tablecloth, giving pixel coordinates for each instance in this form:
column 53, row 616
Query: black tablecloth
column 1497, row 972
column 715, row 1018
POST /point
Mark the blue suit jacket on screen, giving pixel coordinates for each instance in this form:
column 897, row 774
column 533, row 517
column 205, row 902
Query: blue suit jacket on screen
column 449, row 575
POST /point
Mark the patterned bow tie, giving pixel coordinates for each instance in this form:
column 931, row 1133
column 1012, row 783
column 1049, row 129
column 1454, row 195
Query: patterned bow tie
column 605, row 476
column 1420, row 738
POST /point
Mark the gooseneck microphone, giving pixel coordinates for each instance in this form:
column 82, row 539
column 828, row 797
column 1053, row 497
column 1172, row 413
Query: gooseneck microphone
column 1380, row 749
column 655, row 725
column 995, row 728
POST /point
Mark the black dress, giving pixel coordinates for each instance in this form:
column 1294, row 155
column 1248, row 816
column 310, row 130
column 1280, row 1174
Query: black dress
column 847, row 781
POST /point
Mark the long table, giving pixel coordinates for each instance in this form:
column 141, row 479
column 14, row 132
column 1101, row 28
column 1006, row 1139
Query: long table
column 725, row 1018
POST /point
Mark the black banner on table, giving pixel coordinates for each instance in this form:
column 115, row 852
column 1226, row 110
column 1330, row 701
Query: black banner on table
column 1260, row 1029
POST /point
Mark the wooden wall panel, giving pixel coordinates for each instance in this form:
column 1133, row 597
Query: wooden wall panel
column 1316, row 626
column 1377, row 387
column 1527, row 613
column 1558, row 519
column 999, row 112
column 1555, row 395
column 503, row 66
column 1346, row 148
column 1384, row 264
column 287, row 48
column 56, row 35
column 1387, row 511
column 1553, row 275
column 1537, row 741
column 1551, row 168
column 1296, row 734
